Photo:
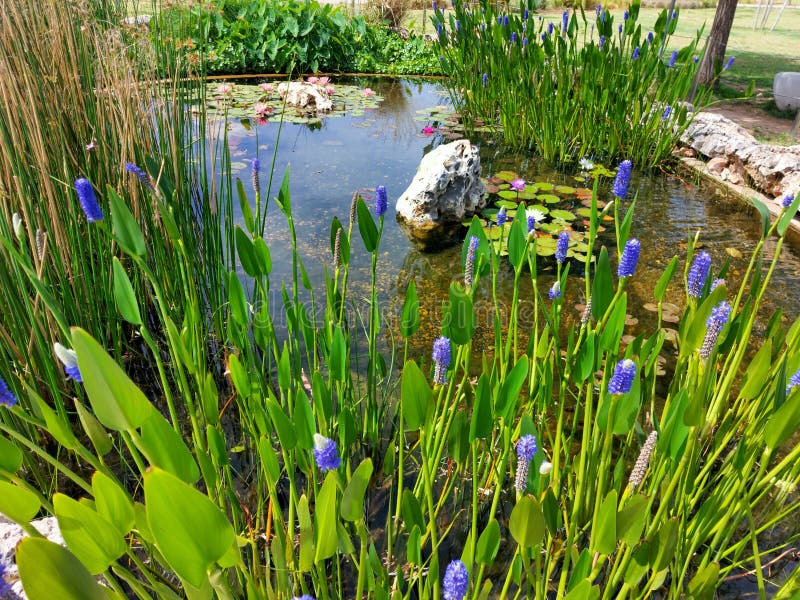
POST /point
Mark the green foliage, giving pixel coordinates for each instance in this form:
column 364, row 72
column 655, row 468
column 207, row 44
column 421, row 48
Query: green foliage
column 385, row 51
column 564, row 93
column 283, row 36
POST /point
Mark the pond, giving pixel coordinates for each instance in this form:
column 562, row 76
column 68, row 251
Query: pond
column 382, row 144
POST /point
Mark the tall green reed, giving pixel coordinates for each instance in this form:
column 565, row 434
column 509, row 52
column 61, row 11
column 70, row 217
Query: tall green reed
column 573, row 88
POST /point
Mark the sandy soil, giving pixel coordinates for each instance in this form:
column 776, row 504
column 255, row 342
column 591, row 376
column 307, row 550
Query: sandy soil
column 761, row 124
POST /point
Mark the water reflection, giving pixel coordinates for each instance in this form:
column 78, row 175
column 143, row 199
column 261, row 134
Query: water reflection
column 384, row 146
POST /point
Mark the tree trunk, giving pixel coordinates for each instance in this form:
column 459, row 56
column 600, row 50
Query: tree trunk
column 717, row 42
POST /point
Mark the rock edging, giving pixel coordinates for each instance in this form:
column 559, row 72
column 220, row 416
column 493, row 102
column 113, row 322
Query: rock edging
column 737, row 157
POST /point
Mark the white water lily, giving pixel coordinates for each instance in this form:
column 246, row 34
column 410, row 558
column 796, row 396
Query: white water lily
column 545, row 468
column 537, row 215
column 585, row 164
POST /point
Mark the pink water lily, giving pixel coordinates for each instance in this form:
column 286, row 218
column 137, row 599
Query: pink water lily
column 518, row 185
column 330, row 90
column 267, row 87
column 313, row 80
column 428, row 130
column 324, row 80
column 261, row 109
column 225, row 88
column 367, row 93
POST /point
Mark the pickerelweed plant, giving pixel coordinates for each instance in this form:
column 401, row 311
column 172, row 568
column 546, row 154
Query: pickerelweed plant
column 585, row 86
column 565, row 466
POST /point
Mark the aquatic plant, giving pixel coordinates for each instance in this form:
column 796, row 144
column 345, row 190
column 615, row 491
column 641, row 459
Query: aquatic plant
column 571, row 70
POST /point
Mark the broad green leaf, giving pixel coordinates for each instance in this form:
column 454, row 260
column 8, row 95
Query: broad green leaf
column 247, row 253
column 50, row 571
column 127, row 232
column 459, row 322
column 517, row 239
column 666, row 541
column 191, row 532
column 263, row 256
column 344, row 243
column 116, row 401
column 10, row 456
column 164, row 448
column 704, row 583
column 304, row 421
column 18, row 503
column 337, row 362
column 488, row 543
column 237, row 300
column 413, row 547
column 784, row 422
column 325, row 513
column 282, row 424
column 239, row 376
column 631, row 519
column 510, row 390
column 411, row 512
column 458, row 438
column 764, row 212
column 640, row 564
column 604, row 529
column 112, row 502
column 602, row 285
column 612, row 333
column 284, row 196
column 663, row 281
column 415, row 396
column 90, row 537
column 481, row 423
column 55, row 425
column 366, row 226
column 527, row 522
column 584, row 591
column 124, row 296
column 244, row 207
column 757, row 372
column 409, row 321
column 353, row 498
column 306, row 535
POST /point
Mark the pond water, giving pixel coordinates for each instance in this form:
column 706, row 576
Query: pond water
column 383, row 145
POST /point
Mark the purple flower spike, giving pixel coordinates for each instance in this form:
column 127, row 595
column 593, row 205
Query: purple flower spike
column 513, row 37
column 667, row 113
column 602, row 41
column 469, row 267
column 550, row 28
column 794, row 381
column 69, row 359
column 787, row 200
column 525, row 15
column 502, row 216
column 698, row 273
column 630, row 256
column 381, row 201
column 7, row 397
column 485, row 79
column 562, row 245
column 88, row 200
column 635, row 54
column 441, row 358
column 714, row 324
column 526, row 448
column 673, row 58
column 140, row 173
column 622, row 179
column 456, row 581
column 555, row 291
column 650, row 38
column 729, row 64
column 626, row 15
column 326, row 454
column 255, row 168
column 622, row 379
column 564, row 21
column 716, row 283
column 306, row 596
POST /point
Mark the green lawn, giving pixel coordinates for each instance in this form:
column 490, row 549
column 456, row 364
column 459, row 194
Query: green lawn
column 759, row 54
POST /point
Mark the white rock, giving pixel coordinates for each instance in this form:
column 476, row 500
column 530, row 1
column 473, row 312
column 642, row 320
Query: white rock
column 786, row 88
column 773, row 170
column 446, row 190
column 305, row 95
column 10, row 536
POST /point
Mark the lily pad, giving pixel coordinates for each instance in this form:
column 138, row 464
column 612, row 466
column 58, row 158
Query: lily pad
column 565, row 189
column 507, row 204
column 507, row 175
column 544, row 186
column 548, row 198
column 562, row 214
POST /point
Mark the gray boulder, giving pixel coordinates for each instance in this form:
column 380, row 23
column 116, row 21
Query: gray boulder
column 446, row 191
